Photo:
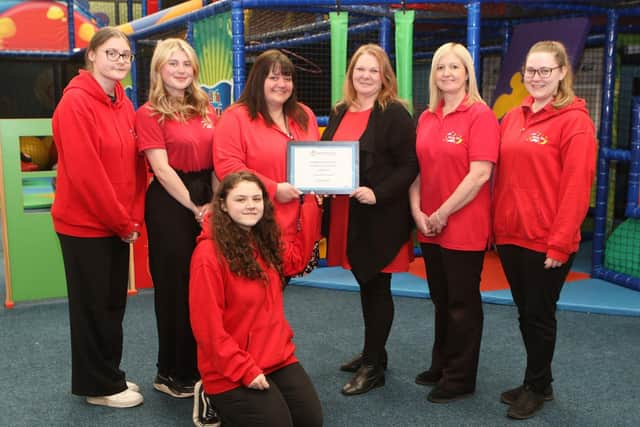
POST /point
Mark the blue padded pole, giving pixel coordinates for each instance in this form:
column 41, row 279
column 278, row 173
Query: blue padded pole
column 144, row 8
column 606, row 119
column 237, row 47
column 134, row 78
column 130, row 10
column 506, row 37
column 473, row 34
column 71, row 28
column 189, row 35
column 384, row 37
column 633, row 191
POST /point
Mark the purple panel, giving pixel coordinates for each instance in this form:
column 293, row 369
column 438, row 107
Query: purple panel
column 571, row 32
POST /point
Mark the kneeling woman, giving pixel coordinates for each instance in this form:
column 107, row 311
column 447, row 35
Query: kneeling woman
column 245, row 350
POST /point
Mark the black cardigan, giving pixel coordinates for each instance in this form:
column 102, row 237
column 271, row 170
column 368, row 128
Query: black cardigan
column 388, row 166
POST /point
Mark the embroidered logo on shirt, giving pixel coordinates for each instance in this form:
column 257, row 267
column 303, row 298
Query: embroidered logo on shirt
column 452, row 138
column 206, row 124
column 537, row 138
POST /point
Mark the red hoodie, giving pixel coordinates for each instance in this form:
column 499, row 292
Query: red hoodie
column 544, row 176
column 239, row 324
column 101, row 178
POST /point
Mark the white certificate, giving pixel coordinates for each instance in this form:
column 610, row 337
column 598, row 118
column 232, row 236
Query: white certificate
column 323, row 167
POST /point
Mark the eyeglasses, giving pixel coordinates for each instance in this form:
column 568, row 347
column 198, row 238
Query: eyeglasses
column 543, row 72
column 114, row 56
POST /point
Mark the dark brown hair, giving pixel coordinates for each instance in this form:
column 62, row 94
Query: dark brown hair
column 253, row 93
column 237, row 245
column 100, row 37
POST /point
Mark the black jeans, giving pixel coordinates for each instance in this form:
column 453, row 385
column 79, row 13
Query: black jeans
column 454, row 284
column 290, row 401
column 377, row 312
column 535, row 291
column 97, row 275
column 172, row 231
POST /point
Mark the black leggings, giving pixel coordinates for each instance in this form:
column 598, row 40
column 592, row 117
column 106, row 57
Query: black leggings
column 454, row 285
column 172, row 230
column 290, row 401
column 377, row 311
column 535, row 291
column 97, row 274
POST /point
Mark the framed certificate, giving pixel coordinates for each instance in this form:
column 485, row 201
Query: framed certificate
column 323, row 167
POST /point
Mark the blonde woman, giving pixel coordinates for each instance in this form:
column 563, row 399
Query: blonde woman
column 457, row 147
column 175, row 132
column 543, row 184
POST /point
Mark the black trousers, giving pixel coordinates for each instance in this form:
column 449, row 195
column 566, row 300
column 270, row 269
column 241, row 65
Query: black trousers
column 377, row 312
column 97, row 275
column 290, row 401
column 454, row 284
column 535, row 291
column 172, row 231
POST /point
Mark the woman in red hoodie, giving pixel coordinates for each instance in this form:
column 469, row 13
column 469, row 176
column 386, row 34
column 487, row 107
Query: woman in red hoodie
column 544, row 176
column 97, row 212
column 245, row 350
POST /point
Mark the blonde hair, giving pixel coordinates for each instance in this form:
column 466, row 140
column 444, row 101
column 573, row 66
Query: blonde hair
column 565, row 94
column 100, row 37
column 195, row 101
column 461, row 52
column 389, row 90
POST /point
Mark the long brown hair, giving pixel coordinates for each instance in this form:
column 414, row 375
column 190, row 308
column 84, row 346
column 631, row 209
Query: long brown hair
column 253, row 93
column 565, row 93
column 389, row 90
column 195, row 101
column 100, row 37
column 237, row 245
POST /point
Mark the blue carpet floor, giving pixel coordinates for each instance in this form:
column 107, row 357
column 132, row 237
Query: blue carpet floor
column 589, row 295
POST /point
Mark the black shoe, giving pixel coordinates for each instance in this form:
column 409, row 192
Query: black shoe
column 428, row 377
column 168, row 385
column 204, row 413
column 528, row 403
column 367, row 377
column 355, row 363
column 510, row 396
column 442, row 395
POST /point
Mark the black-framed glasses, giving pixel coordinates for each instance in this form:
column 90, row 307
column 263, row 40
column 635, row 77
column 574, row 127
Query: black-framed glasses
column 113, row 55
column 543, row 72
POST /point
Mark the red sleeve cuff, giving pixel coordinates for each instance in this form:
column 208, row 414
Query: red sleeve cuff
column 251, row 375
column 557, row 255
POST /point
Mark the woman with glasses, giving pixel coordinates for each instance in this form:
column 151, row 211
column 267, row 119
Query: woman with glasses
column 175, row 132
column 97, row 212
column 542, row 190
column 457, row 146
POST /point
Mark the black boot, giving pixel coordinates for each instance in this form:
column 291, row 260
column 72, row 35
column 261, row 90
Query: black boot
column 367, row 377
column 528, row 403
column 353, row 364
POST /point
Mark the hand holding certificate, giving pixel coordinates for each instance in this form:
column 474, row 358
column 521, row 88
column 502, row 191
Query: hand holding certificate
column 323, row 167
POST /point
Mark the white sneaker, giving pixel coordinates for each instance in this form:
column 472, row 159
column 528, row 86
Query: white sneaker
column 125, row 399
column 133, row 386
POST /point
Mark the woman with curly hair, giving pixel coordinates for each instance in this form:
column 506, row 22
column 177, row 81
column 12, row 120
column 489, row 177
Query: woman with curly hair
column 245, row 350
column 175, row 132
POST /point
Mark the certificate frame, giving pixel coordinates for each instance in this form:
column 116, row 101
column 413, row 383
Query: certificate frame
column 310, row 172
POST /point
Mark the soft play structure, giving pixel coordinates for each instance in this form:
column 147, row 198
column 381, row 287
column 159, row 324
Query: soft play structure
column 320, row 35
